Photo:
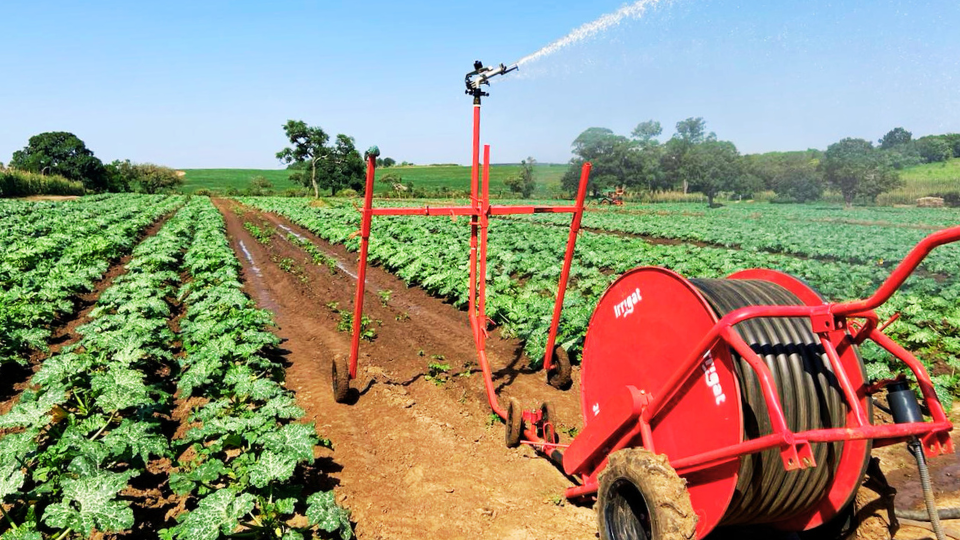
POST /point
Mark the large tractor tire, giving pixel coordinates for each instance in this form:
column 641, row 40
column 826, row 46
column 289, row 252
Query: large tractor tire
column 641, row 497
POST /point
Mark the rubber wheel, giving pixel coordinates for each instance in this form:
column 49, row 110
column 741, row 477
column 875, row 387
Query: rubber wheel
column 547, row 414
column 514, row 423
column 341, row 378
column 640, row 497
column 559, row 374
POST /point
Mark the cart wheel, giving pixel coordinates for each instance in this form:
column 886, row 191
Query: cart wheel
column 341, row 378
column 559, row 374
column 641, row 497
column 514, row 423
column 547, row 414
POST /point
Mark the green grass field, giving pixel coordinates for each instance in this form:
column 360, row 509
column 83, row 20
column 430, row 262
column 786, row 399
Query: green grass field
column 924, row 180
column 429, row 177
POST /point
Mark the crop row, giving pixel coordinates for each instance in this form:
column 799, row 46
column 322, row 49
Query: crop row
column 52, row 252
column 95, row 427
column 524, row 264
column 773, row 233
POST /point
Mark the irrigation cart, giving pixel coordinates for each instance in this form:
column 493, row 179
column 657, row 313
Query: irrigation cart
column 706, row 402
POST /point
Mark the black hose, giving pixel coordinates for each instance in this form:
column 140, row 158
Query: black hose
column 933, row 515
column 809, row 394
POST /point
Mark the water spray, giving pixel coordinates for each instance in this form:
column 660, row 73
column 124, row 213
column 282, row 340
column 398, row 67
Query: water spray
column 634, row 10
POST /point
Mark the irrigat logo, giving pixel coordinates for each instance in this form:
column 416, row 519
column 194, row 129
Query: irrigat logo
column 625, row 307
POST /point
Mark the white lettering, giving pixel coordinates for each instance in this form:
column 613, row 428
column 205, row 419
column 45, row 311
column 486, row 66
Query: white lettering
column 625, row 307
column 712, row 378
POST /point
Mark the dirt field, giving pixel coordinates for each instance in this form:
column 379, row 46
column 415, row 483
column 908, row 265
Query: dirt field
column 421, row 458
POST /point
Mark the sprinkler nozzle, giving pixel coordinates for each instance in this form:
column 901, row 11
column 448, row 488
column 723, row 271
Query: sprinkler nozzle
column 481, row 76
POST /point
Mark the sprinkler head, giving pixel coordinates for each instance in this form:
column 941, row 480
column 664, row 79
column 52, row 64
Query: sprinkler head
column 481, row 76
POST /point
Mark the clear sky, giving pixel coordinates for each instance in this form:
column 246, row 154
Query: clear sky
column 210, row 83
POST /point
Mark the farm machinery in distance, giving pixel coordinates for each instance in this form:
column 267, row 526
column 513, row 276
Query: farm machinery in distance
column 705, row 402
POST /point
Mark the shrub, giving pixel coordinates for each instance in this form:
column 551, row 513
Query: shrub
column 14, row 183
column 347, row 193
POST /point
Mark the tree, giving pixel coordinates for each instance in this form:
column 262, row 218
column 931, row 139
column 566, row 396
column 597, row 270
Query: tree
column 152, row 178
column 307, row 150
column 933, row 149
column 798, row 184
column 646, row 133
column 523, row 183
column 343, row 167
column 895, row 137
column 856, row 169
column 690, row 133
column 389, row 162
column 711, row 167
column 62, row 153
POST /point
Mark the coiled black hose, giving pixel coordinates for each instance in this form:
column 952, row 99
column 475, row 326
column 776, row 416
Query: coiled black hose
column 809, row 394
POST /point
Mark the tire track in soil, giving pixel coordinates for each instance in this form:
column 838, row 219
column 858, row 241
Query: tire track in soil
column 413, row 459
column 14, row 378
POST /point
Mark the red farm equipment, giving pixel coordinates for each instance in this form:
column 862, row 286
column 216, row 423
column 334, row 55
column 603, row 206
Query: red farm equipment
column 706, row 402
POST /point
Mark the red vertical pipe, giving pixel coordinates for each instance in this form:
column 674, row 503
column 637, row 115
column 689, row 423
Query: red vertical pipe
column 474, row 179
column 567, row 261
column 484, row 223
column 365, row 216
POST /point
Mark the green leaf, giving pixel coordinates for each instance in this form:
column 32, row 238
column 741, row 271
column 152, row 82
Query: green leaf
column 88, row 504
column 323, row 511
column 11, row 480
column 217, row 513
column 120, row 388
column 26, row 531
column 294, row 440
column 271, row 466
column 35, row 412
column 134, row 438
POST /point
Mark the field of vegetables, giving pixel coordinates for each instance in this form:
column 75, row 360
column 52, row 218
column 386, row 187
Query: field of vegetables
column 168, row 407
column 843, row 254
column 158, row 400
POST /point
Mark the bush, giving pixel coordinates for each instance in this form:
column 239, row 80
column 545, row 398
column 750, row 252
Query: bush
column 934, row 149
column 347, row 193
column 15, row 183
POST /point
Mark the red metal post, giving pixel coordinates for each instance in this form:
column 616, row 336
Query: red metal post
column 484, row 223
column 366, row 215
column 474, row 179
column 567, row 261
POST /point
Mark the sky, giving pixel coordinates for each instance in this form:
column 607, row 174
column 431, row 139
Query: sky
column 209, row 84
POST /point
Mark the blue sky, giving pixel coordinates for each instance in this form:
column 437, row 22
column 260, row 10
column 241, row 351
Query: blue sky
column 209, row 84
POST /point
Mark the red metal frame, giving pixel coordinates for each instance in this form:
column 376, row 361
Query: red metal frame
column 480, row 210
column 633, row 410
column 586, row 456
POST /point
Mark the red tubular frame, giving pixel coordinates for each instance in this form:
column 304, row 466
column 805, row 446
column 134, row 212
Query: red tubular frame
column 480, row 210
column 794, row 446
column 599, row 439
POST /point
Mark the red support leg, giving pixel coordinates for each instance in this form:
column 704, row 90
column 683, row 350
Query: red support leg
column 366, row 215
column 567, row 261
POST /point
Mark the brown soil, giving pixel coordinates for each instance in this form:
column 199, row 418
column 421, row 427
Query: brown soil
column 413, row 459
column 420, row 459
column 14, row 378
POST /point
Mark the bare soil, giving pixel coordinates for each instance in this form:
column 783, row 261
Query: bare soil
column 417, row 457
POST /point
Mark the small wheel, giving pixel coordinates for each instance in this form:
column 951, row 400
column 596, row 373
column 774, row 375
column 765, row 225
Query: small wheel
column 514, row 424
column 559, row 374
column 341, row 378
column 604, row 201
column 548, row 415
column 640, row 497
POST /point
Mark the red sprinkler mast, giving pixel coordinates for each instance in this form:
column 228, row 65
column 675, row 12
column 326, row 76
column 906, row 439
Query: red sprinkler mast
column 479, row 210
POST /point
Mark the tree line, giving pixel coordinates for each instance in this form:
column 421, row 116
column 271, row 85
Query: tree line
column 695, row 160
column 63, row 154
